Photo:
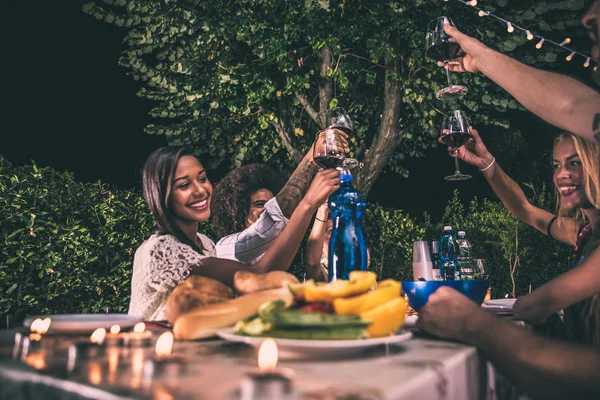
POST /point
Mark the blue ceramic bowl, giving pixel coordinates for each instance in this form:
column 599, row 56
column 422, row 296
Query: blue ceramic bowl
column 418, row 291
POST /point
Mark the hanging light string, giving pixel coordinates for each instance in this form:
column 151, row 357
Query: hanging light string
column 511, row 26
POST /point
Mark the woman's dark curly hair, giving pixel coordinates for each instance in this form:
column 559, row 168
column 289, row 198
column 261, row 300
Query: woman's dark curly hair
column 231, row 196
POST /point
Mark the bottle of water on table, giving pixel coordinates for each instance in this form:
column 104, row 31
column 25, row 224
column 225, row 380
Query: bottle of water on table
column 449, row 268
column 347, row 246
column 465, row 256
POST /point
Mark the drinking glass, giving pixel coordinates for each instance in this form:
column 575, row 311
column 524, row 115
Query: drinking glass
column 440, row 46
column 329, row 149
column 481, row 269
column 455, row 133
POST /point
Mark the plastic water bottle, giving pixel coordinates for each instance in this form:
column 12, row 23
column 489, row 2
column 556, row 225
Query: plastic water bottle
column 449, row 268
column 347, row 246
column 435, row 259
column 465, row 255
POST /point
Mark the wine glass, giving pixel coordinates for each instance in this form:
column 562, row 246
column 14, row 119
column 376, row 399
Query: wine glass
column 341, row 120
column 329, row 149
column 455, row 133
column 442, row 47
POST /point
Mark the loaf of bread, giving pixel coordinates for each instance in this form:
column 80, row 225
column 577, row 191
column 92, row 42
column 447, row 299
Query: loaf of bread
column 203, row 322
column 193, row 293
column 245, row 282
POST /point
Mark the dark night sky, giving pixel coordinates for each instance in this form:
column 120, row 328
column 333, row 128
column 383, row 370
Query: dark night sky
column 71, row 107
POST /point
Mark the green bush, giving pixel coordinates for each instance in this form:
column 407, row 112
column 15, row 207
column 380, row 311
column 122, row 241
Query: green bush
column 66, row 246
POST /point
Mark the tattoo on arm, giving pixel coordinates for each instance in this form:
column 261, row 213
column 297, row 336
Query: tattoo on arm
column 294, row 190
column 595, row 126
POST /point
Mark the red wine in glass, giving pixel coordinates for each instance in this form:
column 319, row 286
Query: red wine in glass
column 440, row 46
column 443, row 51
column 332, row 160
column 456, row 139
column 455, row 133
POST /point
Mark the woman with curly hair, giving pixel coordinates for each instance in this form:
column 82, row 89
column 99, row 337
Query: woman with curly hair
column 241, row 195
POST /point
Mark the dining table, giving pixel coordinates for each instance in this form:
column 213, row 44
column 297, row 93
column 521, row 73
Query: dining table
column 418, row 367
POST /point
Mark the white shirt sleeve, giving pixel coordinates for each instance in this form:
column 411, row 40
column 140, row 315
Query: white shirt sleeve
column 250, row 245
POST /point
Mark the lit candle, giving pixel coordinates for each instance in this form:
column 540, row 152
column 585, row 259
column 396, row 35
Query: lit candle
column 139, row 337
column 33, row 341
column 92, row 348
column 164, row 364
column 114, row 338
column 268, row 382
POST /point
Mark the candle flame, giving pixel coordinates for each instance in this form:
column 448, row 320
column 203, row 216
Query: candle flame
column 115, row 329
column 44, row 325
column 34, row 325
column 267, row 355
column 139, row 327
column 98, row 336
column 164, row 344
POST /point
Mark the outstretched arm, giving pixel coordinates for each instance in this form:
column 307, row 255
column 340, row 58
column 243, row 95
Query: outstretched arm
column 558, row 99
column 569, row 288
column 284, row 248
column 510, row 193
column 544, row 368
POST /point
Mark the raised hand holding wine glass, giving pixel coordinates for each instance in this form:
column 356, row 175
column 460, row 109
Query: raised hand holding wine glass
column 442, row 47
column 331, row 146
column 455, row 133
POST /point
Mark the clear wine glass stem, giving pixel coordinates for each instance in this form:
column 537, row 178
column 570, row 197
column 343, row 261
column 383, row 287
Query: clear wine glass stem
column 456, row 164
column 447, row 72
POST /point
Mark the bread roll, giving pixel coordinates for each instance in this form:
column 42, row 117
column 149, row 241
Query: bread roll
column 195, row 292
column 245, row 282
column 203, row 322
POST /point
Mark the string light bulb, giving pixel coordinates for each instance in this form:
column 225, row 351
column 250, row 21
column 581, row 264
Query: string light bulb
column 509, row 27
column 540, row 44
column 483, row 13
column 529, row 35
column 472, row 3
column 570, row 56
column 566, row 41
column 587, row 62
column 595, row 68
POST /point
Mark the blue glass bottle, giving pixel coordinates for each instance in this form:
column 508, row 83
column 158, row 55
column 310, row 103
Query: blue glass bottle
column 449, row 268
column 347, row 246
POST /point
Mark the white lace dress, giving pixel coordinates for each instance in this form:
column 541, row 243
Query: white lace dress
column 161, row 263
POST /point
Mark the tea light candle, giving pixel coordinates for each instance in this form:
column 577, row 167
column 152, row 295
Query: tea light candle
column 114, row 338
column 163, row 363
column 32, row 342
column 92, row 348
column 268, row 382
column 139, row 337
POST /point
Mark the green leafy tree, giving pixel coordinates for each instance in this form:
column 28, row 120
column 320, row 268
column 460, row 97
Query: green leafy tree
column 254, row 80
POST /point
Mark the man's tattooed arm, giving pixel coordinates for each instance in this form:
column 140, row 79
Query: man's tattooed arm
column 596, row 127
column 294, row 190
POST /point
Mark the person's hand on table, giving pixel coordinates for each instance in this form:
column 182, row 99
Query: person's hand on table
column 450, row 315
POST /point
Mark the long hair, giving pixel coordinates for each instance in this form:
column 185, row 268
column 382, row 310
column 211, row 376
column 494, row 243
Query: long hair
column 586, row 326
column 589, row 153
column 157, row 181
column 231, row 196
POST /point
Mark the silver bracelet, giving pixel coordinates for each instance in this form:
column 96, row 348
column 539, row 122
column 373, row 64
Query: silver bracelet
column 492, row 163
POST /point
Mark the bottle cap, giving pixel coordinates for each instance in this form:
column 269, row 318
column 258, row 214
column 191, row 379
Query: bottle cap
column 448, row 228
column 462, row 233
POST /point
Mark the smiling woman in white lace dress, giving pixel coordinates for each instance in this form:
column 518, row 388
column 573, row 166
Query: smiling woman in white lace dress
column 178, row 194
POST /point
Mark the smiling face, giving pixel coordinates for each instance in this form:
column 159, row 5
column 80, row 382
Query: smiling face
column 257, row 204
column 190, row 194
column 569, row 175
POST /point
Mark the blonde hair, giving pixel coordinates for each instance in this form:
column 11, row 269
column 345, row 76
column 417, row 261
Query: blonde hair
column 589, row 153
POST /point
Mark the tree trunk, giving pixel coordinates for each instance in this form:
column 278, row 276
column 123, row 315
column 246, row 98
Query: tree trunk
column 386, row 141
